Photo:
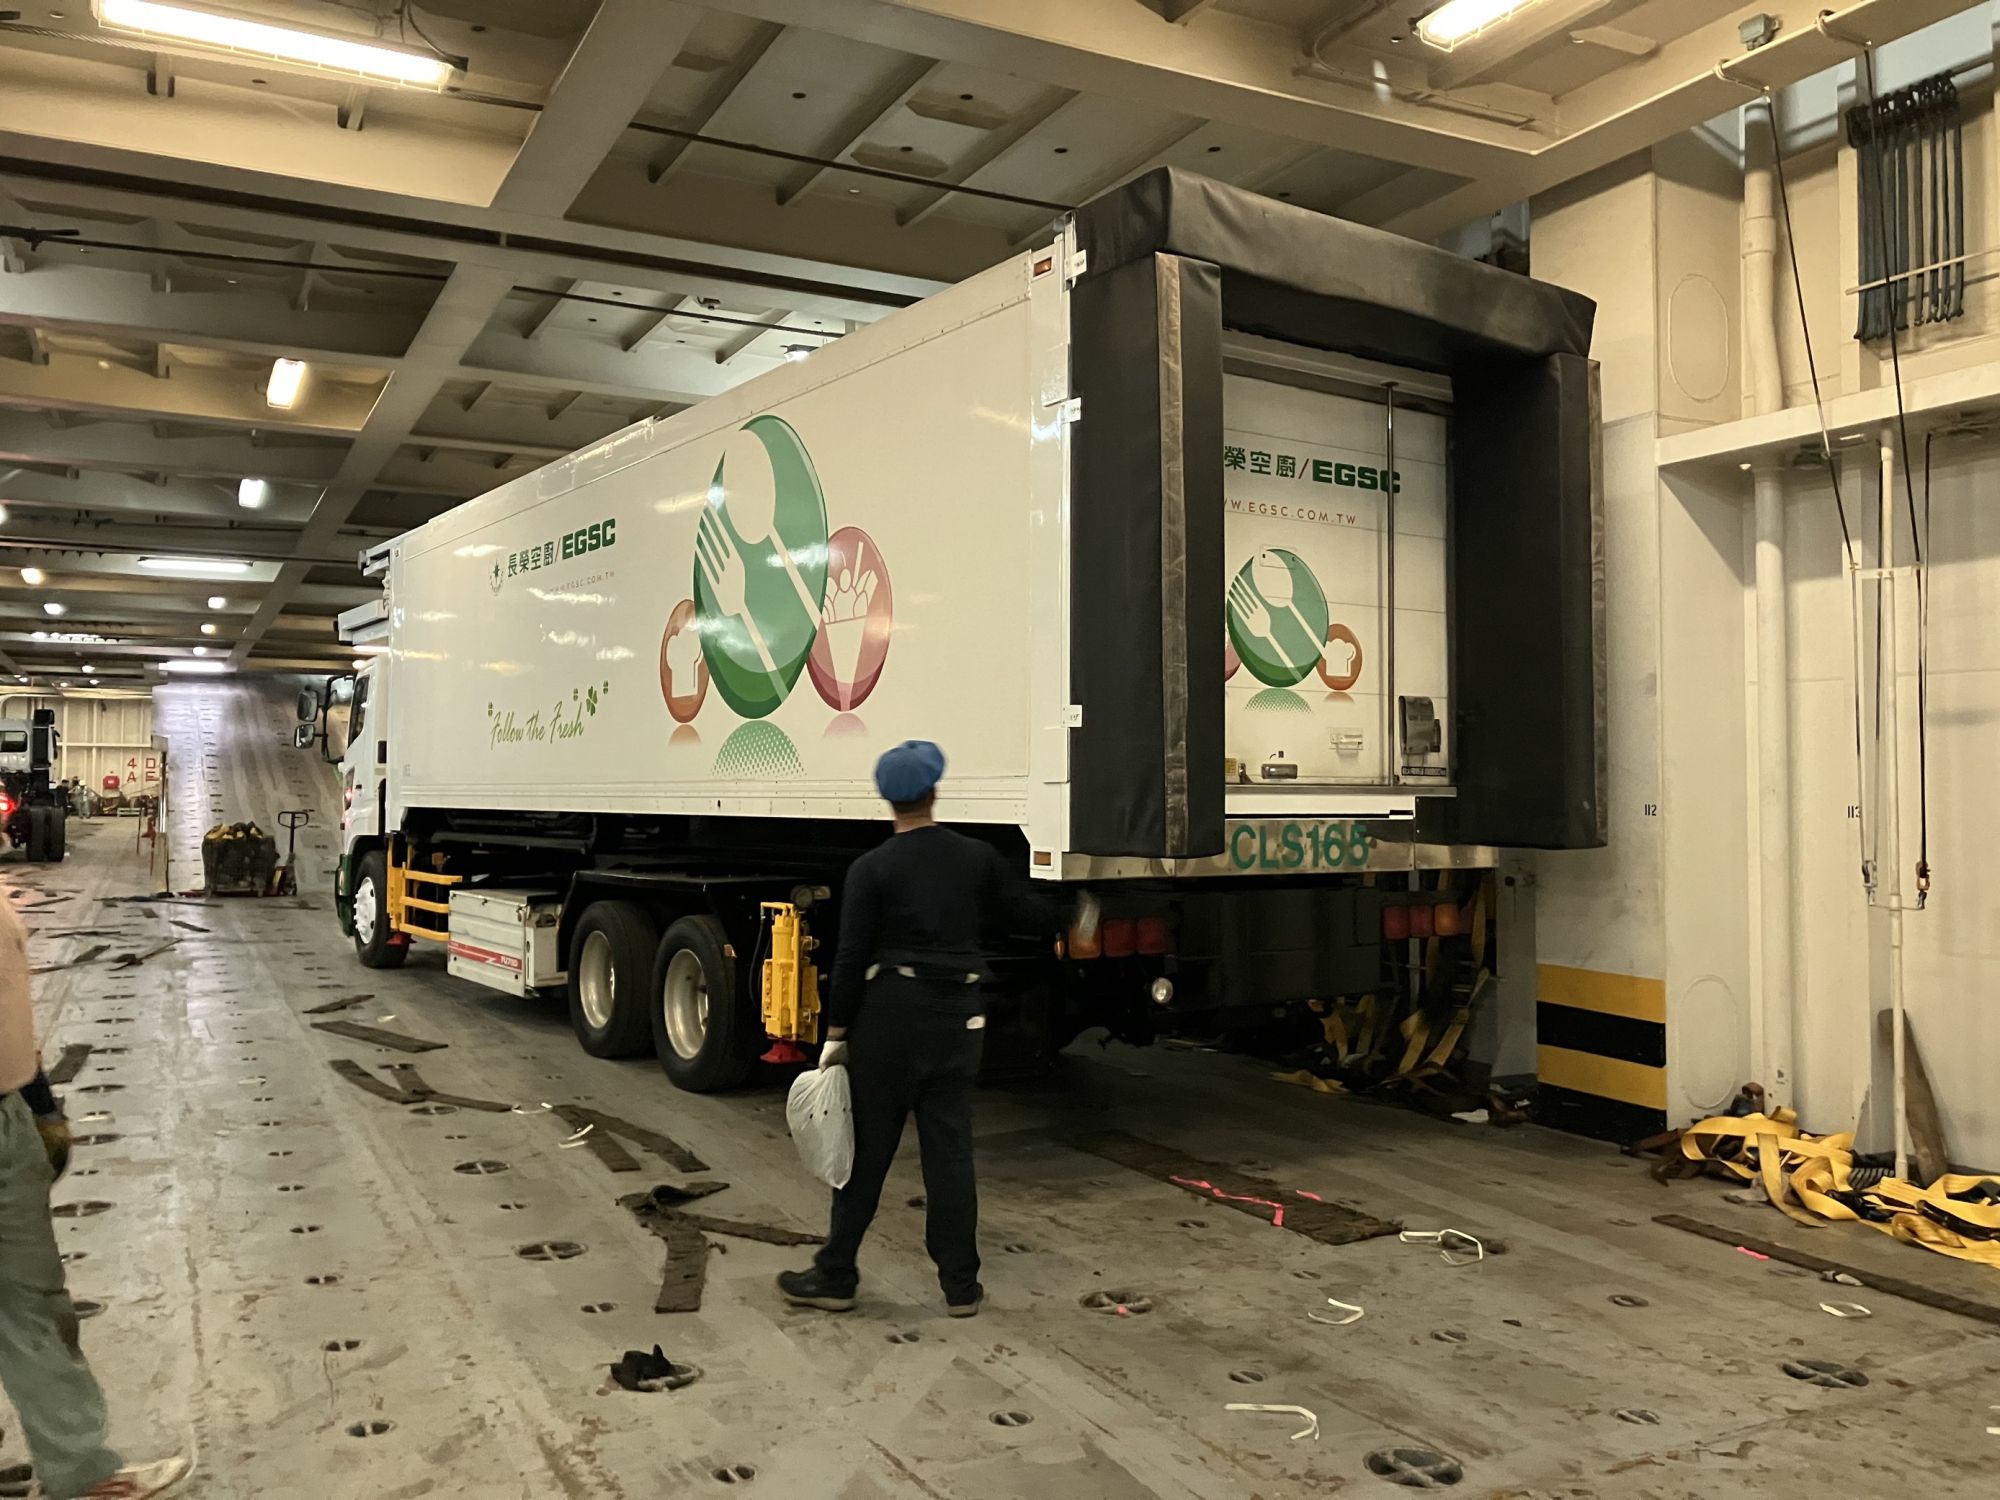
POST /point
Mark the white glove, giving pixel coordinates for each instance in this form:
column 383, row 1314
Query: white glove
column 833, row 1055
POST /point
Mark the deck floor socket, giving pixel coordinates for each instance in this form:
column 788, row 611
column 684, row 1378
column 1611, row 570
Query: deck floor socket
column 550, row 1250
column 1417, row 1468
column 1826, row 1373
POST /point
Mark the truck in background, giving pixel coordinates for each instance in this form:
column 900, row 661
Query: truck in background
column 1243, row 561
column 34, row 813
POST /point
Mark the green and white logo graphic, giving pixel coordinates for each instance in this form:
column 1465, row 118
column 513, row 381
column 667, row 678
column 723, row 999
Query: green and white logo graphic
column 760, row 567
column 1278, row 617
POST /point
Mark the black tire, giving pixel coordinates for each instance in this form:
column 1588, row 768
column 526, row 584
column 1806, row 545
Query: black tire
column 58, row 832
column 610, row 967
column 708, row 1041
column 371, row 915
column 38, row 835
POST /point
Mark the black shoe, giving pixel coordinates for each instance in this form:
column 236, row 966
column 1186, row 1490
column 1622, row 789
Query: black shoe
column 814, row 1289
column 969, row 1307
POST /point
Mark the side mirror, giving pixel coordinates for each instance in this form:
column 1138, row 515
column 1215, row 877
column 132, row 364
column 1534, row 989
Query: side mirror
column 308, row 705
column 303, row 735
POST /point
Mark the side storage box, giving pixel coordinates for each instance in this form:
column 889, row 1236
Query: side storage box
column 505, row 939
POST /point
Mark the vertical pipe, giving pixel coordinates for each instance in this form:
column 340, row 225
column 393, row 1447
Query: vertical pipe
column 1889, row 773
column 1392, row 740
column 1773, row 1019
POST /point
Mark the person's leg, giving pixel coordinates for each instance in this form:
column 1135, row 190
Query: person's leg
column 944, row 1130
column 41, row 1363
column 878, row 1075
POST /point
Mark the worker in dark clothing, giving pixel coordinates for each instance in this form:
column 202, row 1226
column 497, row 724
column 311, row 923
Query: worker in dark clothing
column 907, row 1020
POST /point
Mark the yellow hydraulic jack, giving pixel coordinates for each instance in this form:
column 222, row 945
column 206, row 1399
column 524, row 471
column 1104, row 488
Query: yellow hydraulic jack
column 791, row 984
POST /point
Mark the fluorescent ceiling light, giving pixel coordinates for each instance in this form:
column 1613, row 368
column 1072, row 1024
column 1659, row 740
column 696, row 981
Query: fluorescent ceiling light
column 216, row 601
column 33, row 577
column 208, row 627
column 360, row 662
column 1457, row 22
column 312, row 49
column 251, row 494
column 193, row 567
column 88, row 669
column 41, row 635
column 797, row 352
column 372, row 648
column 201, row 650
column 288, row 378
column 53, row 608
column 196, row 668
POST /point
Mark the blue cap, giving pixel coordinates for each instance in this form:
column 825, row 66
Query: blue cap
column 905, row 773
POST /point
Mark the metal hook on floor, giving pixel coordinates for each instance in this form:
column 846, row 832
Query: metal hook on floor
column 1354, row 1314
column 1451, row 1244
column 1310, row 1430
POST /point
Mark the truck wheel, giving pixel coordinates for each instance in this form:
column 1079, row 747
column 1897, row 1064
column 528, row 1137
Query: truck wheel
column 58, row 833
column 701, row 1025
column 38, row 835
column 610, row 961
column 371, row 915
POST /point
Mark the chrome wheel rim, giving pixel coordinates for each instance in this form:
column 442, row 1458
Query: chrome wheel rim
column 685, row 1004
column 597, row 981
column 365, row 915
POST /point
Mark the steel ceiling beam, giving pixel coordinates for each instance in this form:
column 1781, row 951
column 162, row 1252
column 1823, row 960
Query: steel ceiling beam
column 249, row 320
column 1631, row 108
column 1229, row 67
column 106, row 492
column 627, row 47
column 965, row 173
column 124, row 180
column 874, row 113
column 725, row 83
column 213, row 397
column 25, row 438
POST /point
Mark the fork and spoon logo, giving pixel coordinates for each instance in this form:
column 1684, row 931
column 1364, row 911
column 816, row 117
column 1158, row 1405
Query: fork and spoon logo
column 760, row 566
column 1278, row 617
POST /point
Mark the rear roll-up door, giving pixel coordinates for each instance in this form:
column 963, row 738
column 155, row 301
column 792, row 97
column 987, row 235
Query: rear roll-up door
column 1146, row 628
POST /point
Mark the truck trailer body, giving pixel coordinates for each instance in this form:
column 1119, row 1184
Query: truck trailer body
column 1244, row 563
column 34, row 813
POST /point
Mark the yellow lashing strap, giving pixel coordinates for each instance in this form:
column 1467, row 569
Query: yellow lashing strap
column 1953, row 1216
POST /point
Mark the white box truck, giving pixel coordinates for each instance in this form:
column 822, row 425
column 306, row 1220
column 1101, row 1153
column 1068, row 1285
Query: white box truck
column 1244, row 562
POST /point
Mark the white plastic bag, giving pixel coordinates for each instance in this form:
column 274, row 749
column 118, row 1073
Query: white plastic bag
column 820, row 1111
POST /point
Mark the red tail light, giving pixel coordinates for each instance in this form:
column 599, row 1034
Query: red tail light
column 1119, row 936
column 6, row 805
column 1395, row 923
column 1154, row 936
column 1420, row 920
column 1449, row 920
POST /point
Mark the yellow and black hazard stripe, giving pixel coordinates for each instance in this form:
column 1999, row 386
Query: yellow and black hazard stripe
column 1602, row 1053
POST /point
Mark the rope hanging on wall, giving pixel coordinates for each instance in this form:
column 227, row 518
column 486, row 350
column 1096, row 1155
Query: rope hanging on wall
column 1911, row 146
